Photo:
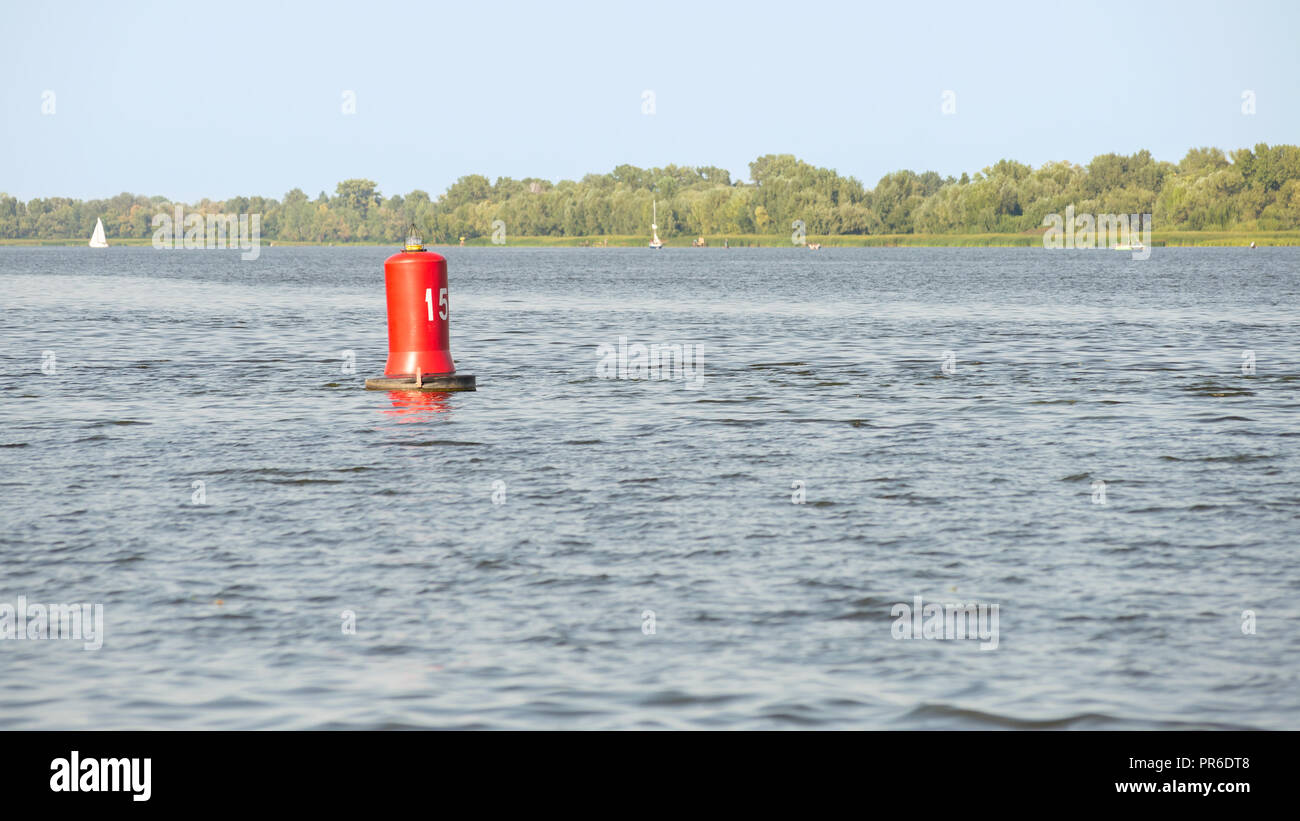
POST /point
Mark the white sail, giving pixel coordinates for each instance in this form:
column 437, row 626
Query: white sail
column 654, row 227
column 97, row 239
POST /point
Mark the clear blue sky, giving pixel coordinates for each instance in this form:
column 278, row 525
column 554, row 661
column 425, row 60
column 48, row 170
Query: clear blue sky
column 195, row 99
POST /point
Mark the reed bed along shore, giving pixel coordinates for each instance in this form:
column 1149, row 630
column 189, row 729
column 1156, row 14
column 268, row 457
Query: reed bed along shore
column 1183, row 239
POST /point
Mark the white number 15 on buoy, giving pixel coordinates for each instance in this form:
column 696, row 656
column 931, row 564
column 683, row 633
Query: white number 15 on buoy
column 442, row 302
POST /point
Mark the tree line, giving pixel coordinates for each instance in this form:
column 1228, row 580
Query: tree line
column 1247, row 189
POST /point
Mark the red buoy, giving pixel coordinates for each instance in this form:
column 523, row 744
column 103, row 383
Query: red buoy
column 419, row 307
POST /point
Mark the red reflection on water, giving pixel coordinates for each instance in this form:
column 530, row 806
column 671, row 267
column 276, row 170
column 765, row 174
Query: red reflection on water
column 416, row 406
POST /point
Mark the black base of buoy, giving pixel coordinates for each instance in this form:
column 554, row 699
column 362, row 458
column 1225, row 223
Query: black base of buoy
column 426, row 382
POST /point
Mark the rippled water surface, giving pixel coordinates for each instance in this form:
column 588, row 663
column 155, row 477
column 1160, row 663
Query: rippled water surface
column 621, row 497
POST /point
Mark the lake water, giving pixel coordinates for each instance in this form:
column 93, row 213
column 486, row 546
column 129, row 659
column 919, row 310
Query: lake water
column 503, row 551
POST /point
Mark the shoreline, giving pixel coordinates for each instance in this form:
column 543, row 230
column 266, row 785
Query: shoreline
column 1170, row 239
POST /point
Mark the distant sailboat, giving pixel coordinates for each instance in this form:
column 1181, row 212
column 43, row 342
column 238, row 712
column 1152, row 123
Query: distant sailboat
column 655, row 243
column 1133, row 244
column 97, row 239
